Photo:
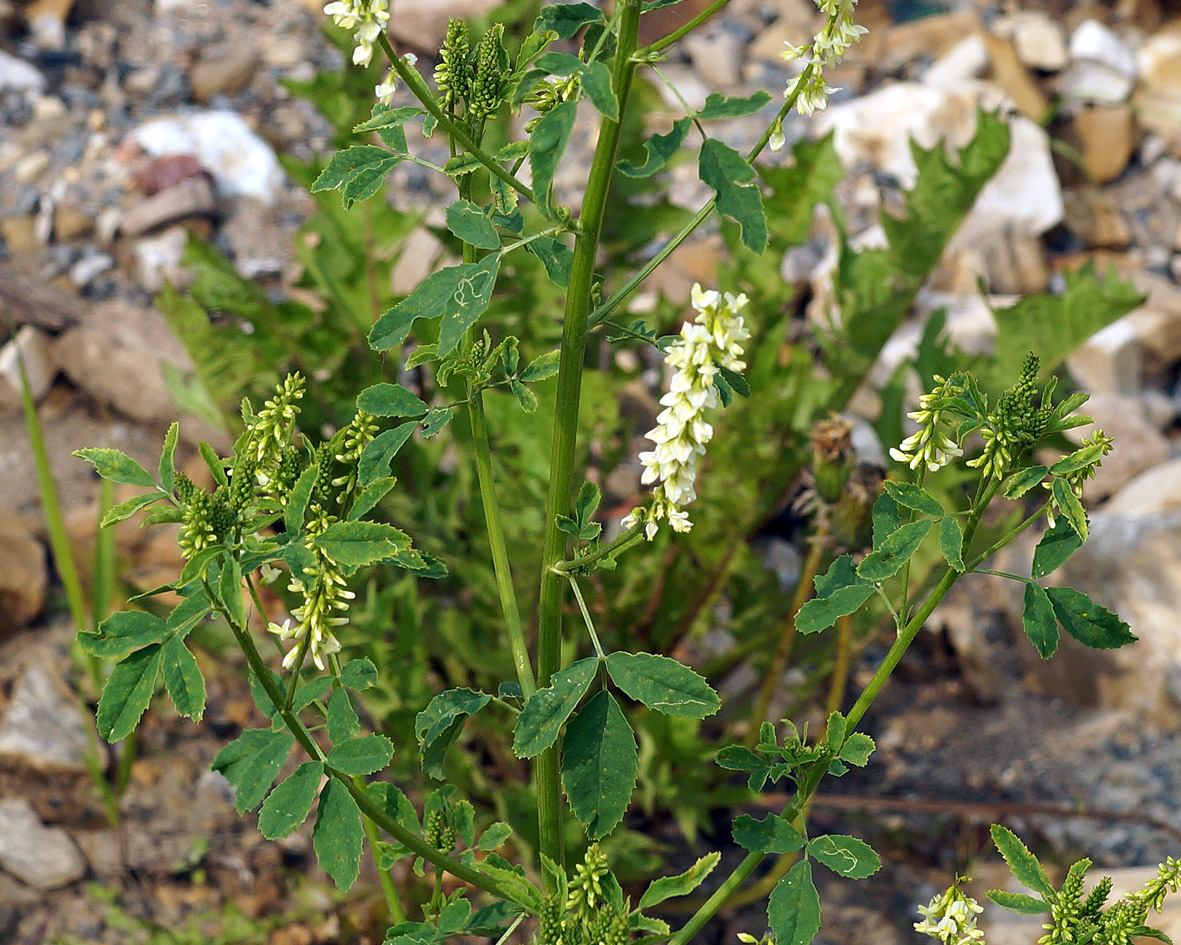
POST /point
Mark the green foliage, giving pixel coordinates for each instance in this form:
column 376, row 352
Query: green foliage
column 547, row 710
column 599, row 764
column 794, row 908
column 738, row 195
column 663, row 684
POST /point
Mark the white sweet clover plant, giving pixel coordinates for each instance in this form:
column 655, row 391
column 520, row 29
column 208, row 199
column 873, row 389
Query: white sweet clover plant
column 282, row 502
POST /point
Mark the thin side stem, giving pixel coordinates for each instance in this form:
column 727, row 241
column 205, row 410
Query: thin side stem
column 367, row 805
column 496, row 542
column 575, row 325
column 682, row 31
column 619, row 544
column 455, row 130
column 586, row 617
column 625, row 291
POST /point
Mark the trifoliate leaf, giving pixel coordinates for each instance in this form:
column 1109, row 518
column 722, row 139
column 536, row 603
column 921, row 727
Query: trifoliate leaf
column 1087, row 622
column 663, row 684
column 839, row 591
column 357, row 172
column 1039, row 621
column 738, row 196
column 342, row 720
column 542, row 367
column 951, row 541
column 167, row 468
column 547, row 710
column 289, row 804
column 471, row 225
column 718, row 106
column 362, row 755
column 438, row 725
column 547, row 144
column 183, row 679
column 356, row 544
column 772, row 834
column 251, row 762
column 845, row 856
column 116, row 466
column 338, row 836
column 127, row 693
column 380, row 451
column 1018, row 902
column 669, row 887
column 1021, row 482
column 659, row 150
column 123, row 632
column 359, row 674
column 912, row 496
column 888, row 557
column 1022, row 864
column 1070, row 507
column 1056, row 545
column 793, row 911
column 599, row 764
column 390, row 400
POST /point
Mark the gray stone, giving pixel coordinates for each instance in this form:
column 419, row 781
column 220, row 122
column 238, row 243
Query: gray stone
column 33, row 347
column 40, row 856
column 192, row 197
column 117, row 355
column 44, row 726
column 16, row 75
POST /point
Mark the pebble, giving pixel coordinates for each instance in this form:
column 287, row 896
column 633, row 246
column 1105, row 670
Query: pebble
column 1094, row 42
column 40, row 856
column 89, row 268
column 1107, row 137
column 31, row 166
column 192, row 197
column 16, row 75
column 221, row 71
column 33, row 347
column 1039, row 41
column 43, row 726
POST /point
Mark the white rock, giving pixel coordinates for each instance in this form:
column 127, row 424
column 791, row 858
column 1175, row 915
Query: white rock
column 33, row 346
column 1039, row 41
column 16, row 75
column 44, row 857
column 967, row 59
column 1094, row 42
column 1156, row 492
column 1024, row 197
column 89, row 268
column 1110, row 362
column 1096, row 83
column 158, row 257
column 717, row 56
column 43, row 725
column 242, row 164
column 1104, row 67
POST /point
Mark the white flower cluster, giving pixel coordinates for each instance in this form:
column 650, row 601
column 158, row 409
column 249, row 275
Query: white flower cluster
column 324, row 596
column 715, row 338
column 951, row 918
column 366, row 18
column 932, row 444
column 827, row 48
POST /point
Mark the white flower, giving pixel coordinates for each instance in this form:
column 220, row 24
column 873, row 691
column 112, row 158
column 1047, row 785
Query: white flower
column 714, row 338
column 366, row 18
column 932, row 444
column 268, row 574
column 951, row 918
column 827, row 49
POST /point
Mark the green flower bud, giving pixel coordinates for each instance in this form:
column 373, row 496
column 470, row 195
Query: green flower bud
column 453, row 74
column 492, row 71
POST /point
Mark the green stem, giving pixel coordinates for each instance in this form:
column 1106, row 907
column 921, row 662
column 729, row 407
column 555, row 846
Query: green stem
column 455, row 130
column 561, row 481
column 392, row 903
column 586, row 617
column 369, row 808
column 500, row 561
column 601, row 313
column 716, row 7
column 619, row 544
column 1005, row 539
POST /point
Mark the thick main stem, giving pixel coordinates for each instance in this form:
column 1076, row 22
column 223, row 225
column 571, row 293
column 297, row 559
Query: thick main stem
column 496, row 542
column 561, row 479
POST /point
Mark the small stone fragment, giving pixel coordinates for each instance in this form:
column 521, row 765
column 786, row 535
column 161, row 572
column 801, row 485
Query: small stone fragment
column 163, row 172
column 222, row 71
column 1106, row 136
column 43, row 857
column 192, row 197
column 33, row 347
column 43, row 726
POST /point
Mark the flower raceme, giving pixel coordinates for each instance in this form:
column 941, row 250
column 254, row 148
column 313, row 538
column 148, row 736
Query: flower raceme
column 366, row 18
column 951, row 918
column 932, row 444
column 712, row 341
